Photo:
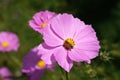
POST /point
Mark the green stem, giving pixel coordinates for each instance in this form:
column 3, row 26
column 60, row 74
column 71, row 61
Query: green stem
column 66, row 74
column 62, row 72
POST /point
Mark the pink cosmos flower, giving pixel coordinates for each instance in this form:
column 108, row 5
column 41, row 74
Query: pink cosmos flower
column 8, row 42
column 41, row 20
column 33, row 66
column 5, row 74
column 67, row 40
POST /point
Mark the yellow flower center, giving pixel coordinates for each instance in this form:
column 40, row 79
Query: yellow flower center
column 5, row 44
column 41, row 64
column 44, row 24
column 69, row 44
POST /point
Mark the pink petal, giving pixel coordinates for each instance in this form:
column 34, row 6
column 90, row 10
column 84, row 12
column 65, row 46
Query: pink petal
column 51, row 67
column 47, row 53
column 86, row 32
column 47, row 58
column 5, row 72
column 62, row 59
column 37, row 18
column 78, row 55
column 51, row 39
column 87, row 41
column 88, row 46
column 35, row 26
column 91, row 54
column 91, row 49
column 47, row 15
column 63, row 25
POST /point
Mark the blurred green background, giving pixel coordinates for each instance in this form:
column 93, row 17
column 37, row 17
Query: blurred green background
column 104, row 15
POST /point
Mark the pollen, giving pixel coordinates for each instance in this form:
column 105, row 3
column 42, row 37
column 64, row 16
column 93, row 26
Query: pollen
column 69, row 44
column 5, row 44
column 44, row 25
column 41, row 64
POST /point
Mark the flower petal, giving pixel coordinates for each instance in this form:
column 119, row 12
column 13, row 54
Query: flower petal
column 94, row 46
column 35, row 26
column 78, row 56
column 37, row 18
column 30, row 60
column 63, row 26
column 85, row 33
column 86, row 40
column 4, row 72
column 51, row 67
column 47, row 53
column 62, row 59
column 91, row 49
column 51, row 39
column 36, row 74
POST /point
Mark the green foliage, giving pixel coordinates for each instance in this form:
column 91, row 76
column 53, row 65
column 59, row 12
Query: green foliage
column 104, row 15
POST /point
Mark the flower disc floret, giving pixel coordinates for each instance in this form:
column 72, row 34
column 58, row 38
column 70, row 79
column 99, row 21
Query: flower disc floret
column 69, row 44
column 5, row 44
column 41, row 64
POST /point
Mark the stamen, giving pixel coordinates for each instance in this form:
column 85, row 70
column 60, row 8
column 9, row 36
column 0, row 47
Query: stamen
column 5, row 44
column 44, row 24
column 41, row 64
column 69, row 44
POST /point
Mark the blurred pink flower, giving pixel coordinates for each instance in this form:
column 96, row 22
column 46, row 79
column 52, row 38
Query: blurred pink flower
column 5, row 74
column 33, row 66
column 41, row 20
column 68, row 39
column 8, row 42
